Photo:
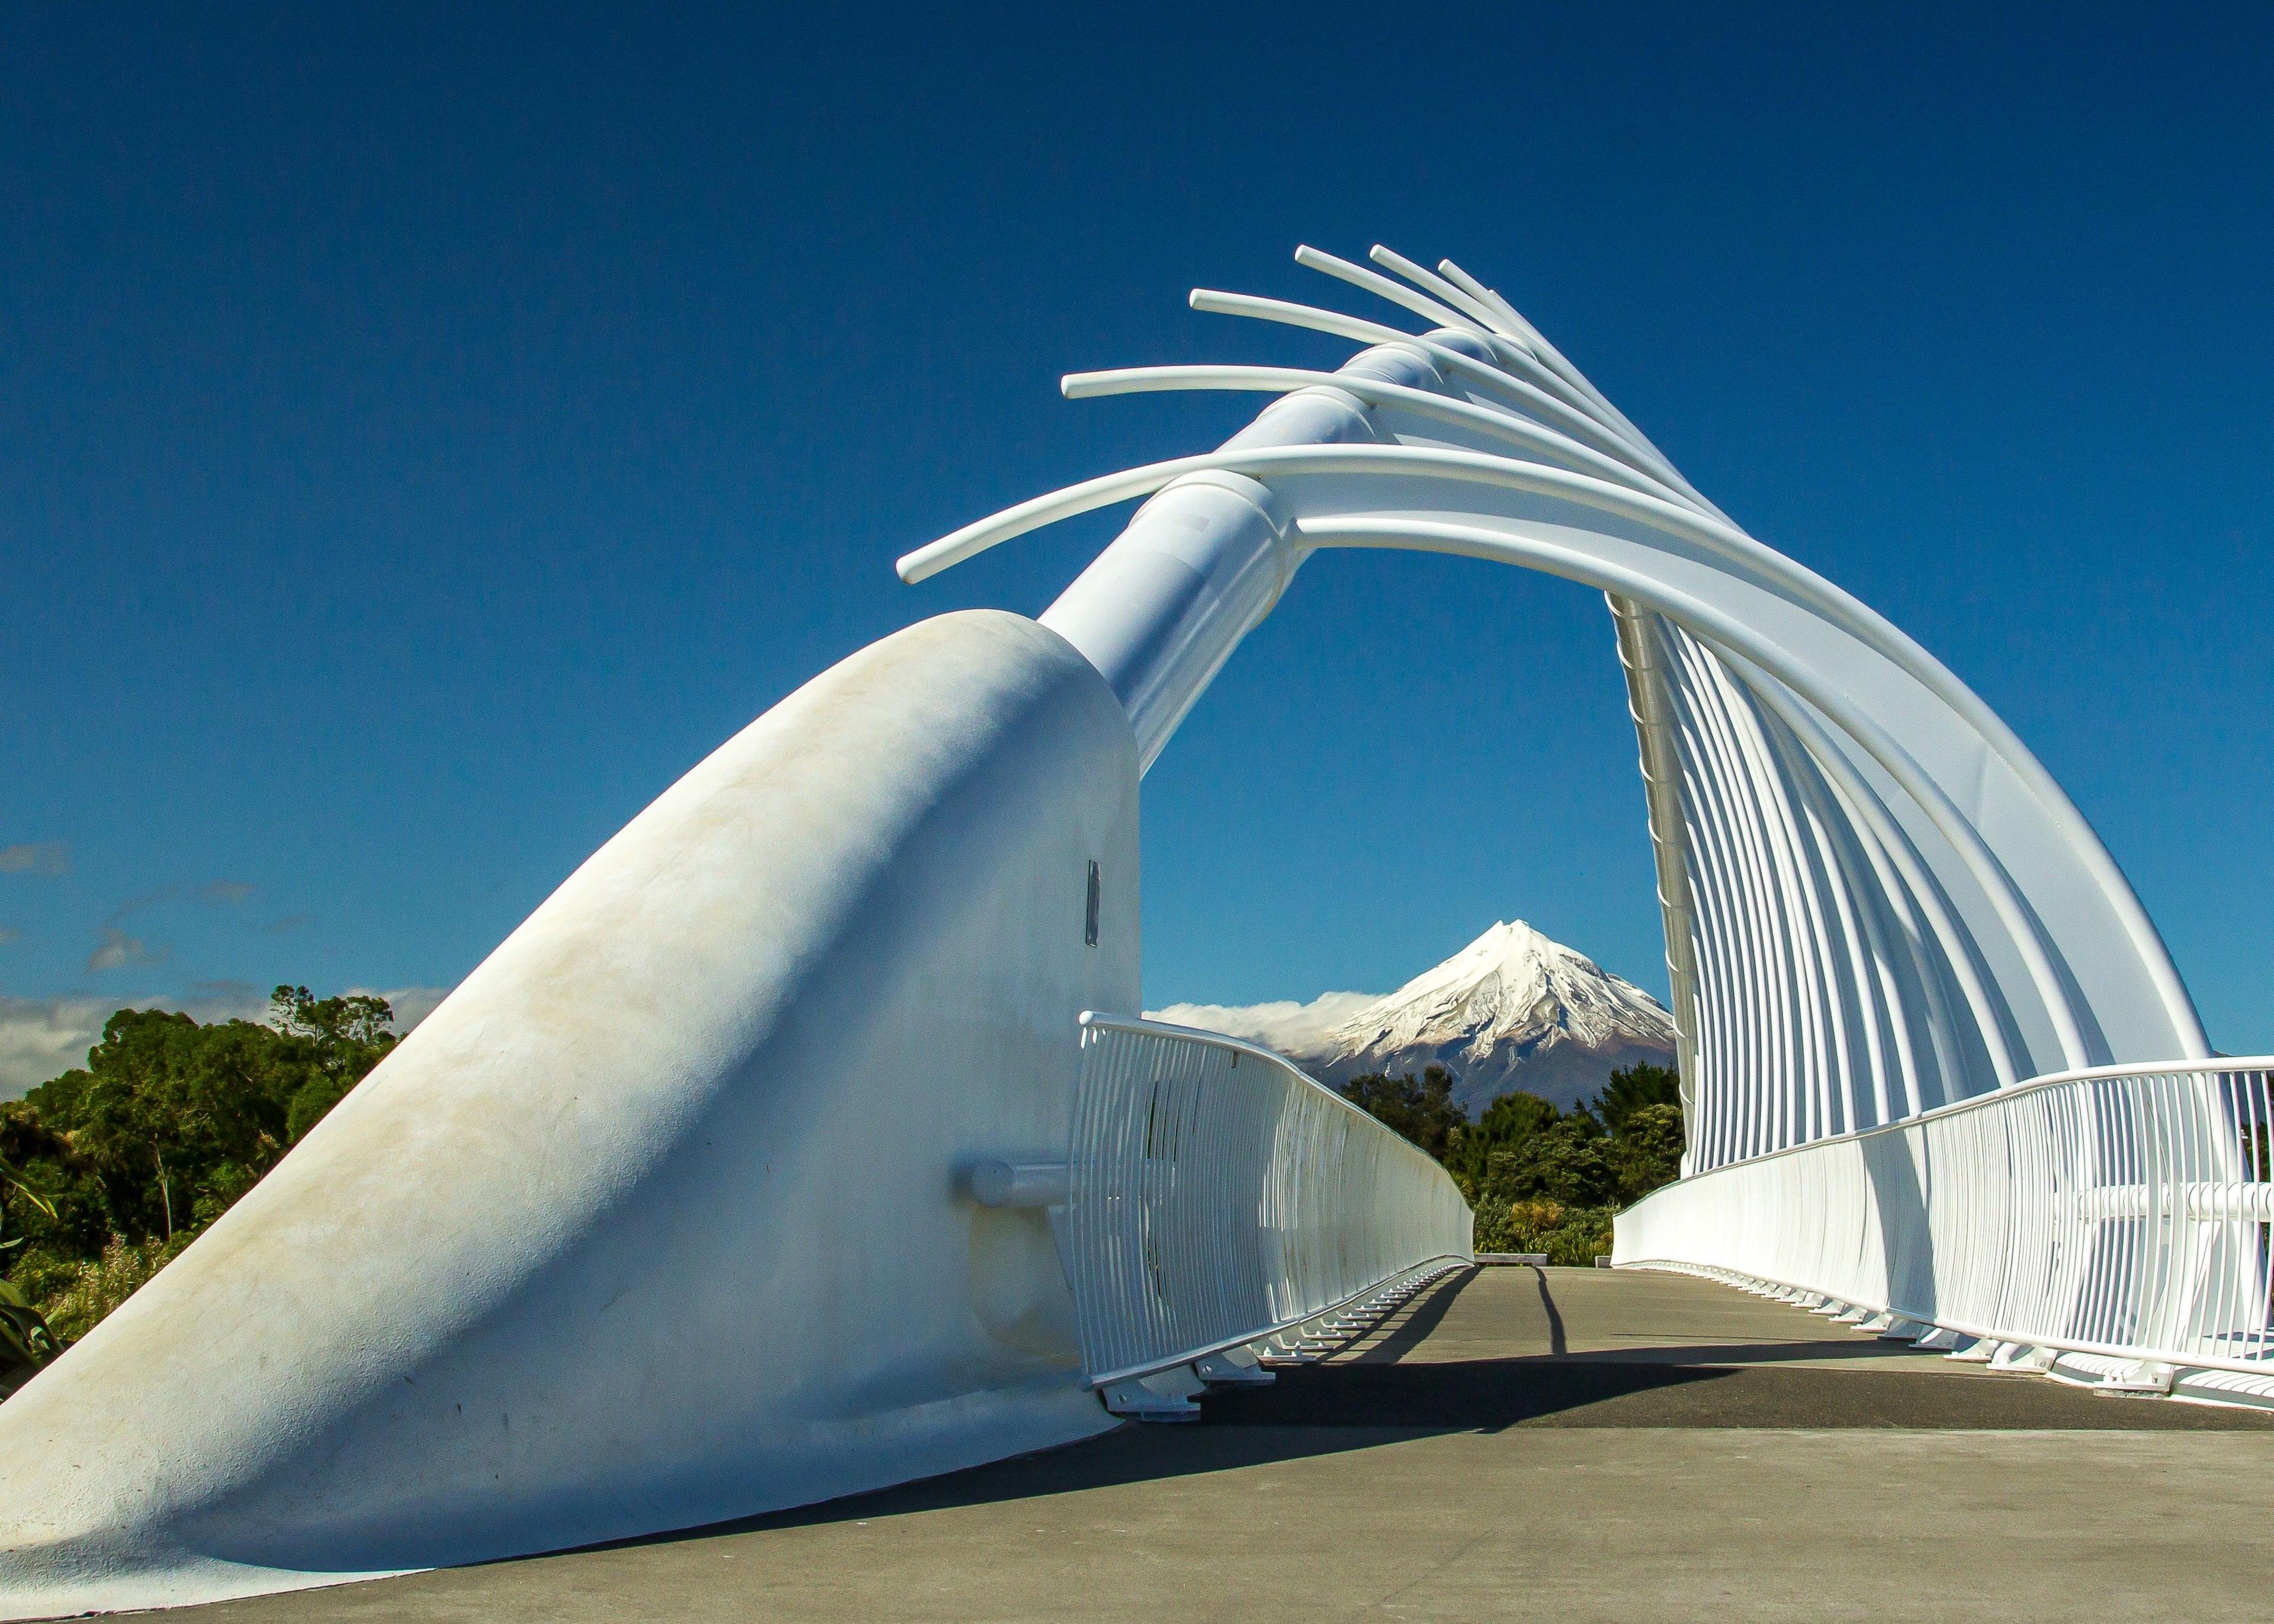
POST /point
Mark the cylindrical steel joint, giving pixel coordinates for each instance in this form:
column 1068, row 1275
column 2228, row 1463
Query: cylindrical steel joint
column 1201, row 564
column 1019, row 1183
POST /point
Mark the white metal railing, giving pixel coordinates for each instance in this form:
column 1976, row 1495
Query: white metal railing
column 1218, row 1196
column 2121, row 1212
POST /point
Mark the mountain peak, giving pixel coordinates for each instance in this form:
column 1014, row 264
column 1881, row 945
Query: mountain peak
column 1511, row 983
column 1511, row 949
column 1514, row 1009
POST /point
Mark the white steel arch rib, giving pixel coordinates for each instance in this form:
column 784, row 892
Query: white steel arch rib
column 1855, row 634
column 1878, row 901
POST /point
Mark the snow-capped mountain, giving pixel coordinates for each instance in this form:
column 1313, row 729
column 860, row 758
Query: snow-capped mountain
column 1512, row 1009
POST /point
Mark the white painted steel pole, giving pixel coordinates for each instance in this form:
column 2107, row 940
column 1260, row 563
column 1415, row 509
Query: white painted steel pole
column 1205, row 559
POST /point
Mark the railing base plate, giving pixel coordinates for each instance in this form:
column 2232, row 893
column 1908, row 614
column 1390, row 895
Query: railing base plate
column 1164, row 1395
column 2022, row 1359
column 1225, row 1370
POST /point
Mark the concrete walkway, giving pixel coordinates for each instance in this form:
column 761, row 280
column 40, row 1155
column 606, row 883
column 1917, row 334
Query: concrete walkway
column 1559, row 1444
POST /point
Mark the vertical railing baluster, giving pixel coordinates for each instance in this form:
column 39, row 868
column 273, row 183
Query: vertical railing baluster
column 1219, row 1196
column 2123, row 1213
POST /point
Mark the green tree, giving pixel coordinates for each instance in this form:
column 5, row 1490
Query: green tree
column 333, row 1042
column 1633, row 1087
column 1564, row 1163
column 1541, row 1179
column 1646, row 1152
column 1423, row 1111
column 168, row 1111
column 112, row 1168
column 1511, row 1119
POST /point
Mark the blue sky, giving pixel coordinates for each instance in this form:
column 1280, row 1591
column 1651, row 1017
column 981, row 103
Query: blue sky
column 423, row 434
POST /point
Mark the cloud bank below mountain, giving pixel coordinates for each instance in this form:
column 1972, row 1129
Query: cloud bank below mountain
column 1285, row 1026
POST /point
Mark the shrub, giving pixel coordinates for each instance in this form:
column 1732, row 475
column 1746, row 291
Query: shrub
column 108, row 1170
column 1583, row 1235
column 1572, row 1236
column 27, row 1340
column 100, row 1286
column 42, row 1273
column 1504, row 1225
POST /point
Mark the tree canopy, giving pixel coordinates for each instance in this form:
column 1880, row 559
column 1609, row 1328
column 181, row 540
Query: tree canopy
column 1541, row 1179
column 1423, row 1111
column 1634, row 1088
column 110, row 1169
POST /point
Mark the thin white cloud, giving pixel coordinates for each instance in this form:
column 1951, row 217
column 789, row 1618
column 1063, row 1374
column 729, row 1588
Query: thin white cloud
column 150, row 899
column 227, row 893
column 46, row 858
column 1283, row 1025
column 117, row 950
column 290, row 923
column 41, row 1038
column 9, row 933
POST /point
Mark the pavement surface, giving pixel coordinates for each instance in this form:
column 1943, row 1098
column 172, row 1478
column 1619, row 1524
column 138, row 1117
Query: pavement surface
column 1516, row 1443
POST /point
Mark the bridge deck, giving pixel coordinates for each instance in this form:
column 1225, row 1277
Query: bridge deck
column 1561, row 1443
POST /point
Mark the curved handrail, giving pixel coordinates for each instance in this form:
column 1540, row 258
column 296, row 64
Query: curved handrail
column 1145, row 1026
column 2179, row 1150
column 2221, row 1064
column 1211, row 1206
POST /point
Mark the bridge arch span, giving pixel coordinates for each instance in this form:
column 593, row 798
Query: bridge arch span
column 809, row 1138
column 1876, row 900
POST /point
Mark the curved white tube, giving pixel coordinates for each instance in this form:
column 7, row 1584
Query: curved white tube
column 1475, row 373
column 1548, row 354
column 1161, row 610
column 1429, row 282
column 1485, row 420
column 1511, row 353
column 1358, row 276
column 1530, row 352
